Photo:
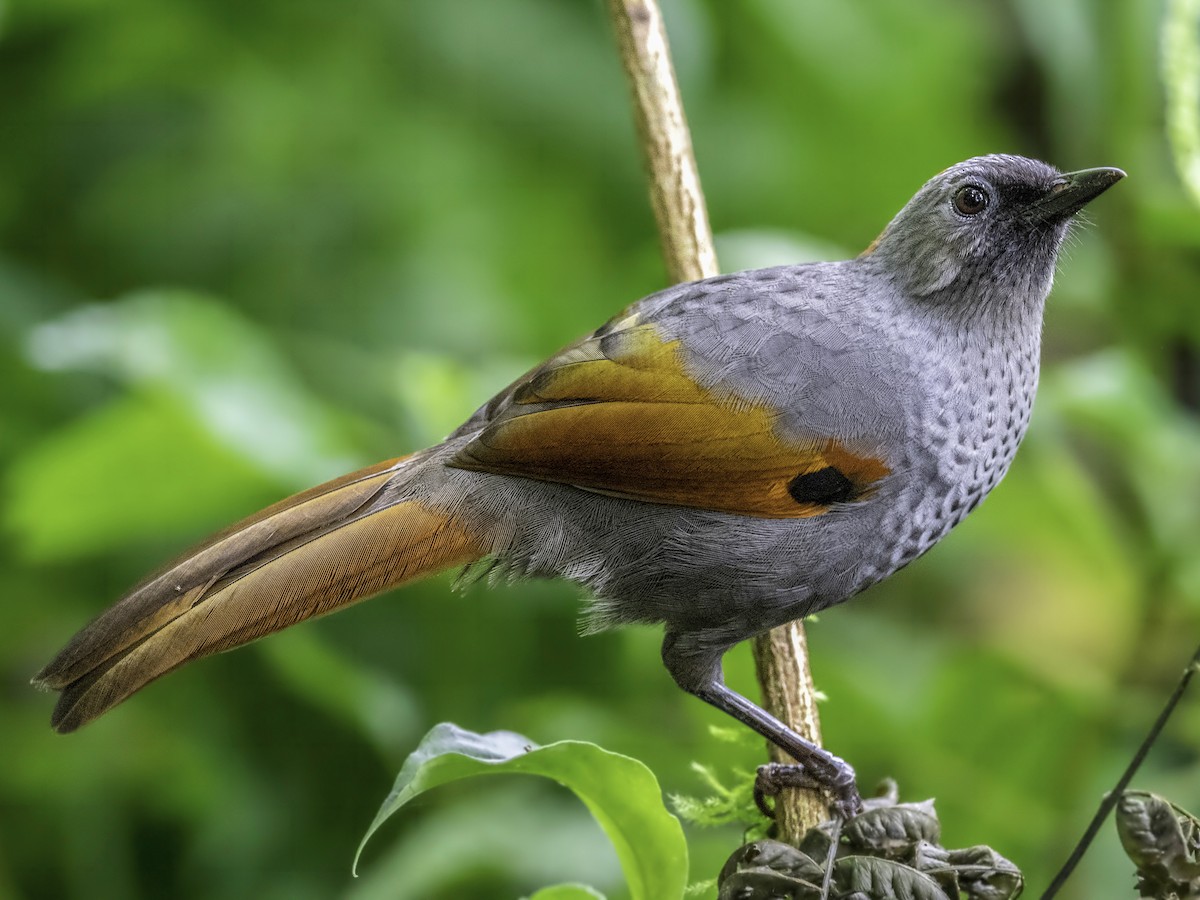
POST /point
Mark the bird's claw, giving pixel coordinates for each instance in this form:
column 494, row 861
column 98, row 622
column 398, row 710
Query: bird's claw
column 842, row 789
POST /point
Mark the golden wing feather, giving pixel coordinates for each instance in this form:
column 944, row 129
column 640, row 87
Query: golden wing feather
column 619, row 413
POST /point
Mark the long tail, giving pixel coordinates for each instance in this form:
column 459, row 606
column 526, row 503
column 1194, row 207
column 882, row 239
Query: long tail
column 310, row 554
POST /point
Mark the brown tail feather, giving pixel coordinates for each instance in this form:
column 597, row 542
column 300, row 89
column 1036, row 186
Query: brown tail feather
column 303, row 557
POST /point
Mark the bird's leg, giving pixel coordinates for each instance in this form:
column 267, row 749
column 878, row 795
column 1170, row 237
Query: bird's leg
column 815, row 768
column 699, row 673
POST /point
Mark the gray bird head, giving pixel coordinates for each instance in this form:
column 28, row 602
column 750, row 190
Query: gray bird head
column 986, row 230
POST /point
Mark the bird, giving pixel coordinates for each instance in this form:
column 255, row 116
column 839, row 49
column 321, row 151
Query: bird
column 721, row 457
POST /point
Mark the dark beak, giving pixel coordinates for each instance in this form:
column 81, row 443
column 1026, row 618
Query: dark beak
column 1071, row 191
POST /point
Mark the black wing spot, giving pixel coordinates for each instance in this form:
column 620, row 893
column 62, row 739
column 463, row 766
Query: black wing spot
column 822, row 487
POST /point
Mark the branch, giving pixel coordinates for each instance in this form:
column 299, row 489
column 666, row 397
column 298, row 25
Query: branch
column 679, row 209
column 781, row 657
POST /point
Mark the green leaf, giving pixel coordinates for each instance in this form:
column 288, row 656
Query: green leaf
column 567, row 892
column 620, row 792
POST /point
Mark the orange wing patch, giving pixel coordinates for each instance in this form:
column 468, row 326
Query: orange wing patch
column 620, row 415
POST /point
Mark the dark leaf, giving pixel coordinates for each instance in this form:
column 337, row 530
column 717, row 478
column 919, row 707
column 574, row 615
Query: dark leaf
column 773, row 855
column 983, row 874
column 882, row 879
column 894, row 830
column 763, row 884
column 1164, row 843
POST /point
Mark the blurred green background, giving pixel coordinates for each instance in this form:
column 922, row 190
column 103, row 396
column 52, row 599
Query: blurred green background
column 248, row 246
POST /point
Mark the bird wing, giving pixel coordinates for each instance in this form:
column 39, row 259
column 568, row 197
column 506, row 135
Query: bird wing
column 621, row 413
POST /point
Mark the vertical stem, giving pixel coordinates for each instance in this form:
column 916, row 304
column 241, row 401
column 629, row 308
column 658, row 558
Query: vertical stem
column 781, row 661
column 781, row 657
column 675, row 193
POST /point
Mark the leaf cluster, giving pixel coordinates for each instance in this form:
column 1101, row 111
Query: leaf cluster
column 892, row 850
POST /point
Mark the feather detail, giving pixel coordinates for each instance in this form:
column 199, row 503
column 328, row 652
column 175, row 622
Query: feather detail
column 621, row 415
column 305, row 556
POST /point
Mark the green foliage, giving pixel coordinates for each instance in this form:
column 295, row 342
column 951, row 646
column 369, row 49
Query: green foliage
column 724, row 803
column 247, row 246
column 206, row 393
column 1181, row 75
column 620, row 792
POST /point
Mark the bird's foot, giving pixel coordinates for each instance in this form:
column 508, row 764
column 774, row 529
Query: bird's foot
column 842, row 789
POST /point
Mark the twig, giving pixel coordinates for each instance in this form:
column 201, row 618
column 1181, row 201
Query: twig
column 1112, row 797
column 781, row 657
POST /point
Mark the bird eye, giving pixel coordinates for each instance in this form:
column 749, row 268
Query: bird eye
column 970, row 200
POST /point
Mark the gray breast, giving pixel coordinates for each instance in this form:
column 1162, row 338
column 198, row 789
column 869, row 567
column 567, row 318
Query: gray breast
column 980, row 400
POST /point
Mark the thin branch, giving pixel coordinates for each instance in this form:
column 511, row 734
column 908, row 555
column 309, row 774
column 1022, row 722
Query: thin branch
column 1113, row 797
column 781, row 657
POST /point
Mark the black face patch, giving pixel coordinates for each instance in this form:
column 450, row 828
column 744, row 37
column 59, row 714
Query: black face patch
column 822, row 487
